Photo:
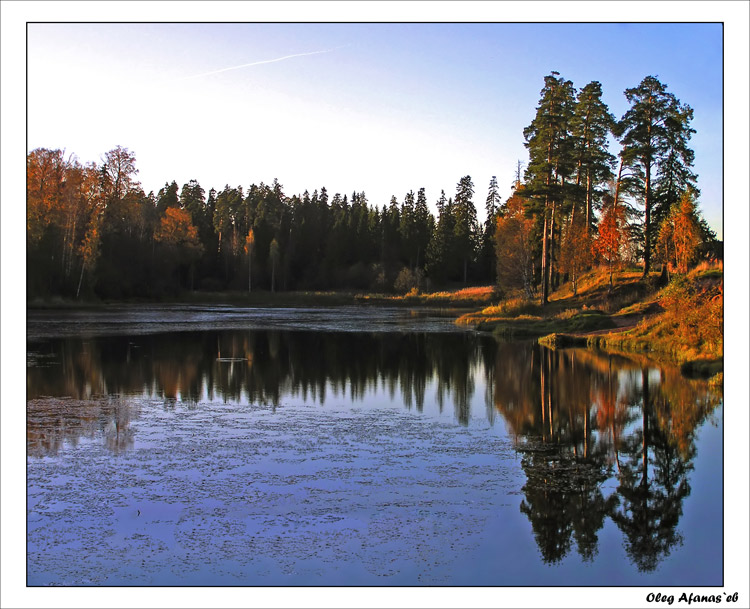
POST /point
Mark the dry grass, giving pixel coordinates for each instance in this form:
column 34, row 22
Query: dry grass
column 512, row 307
column 478, row 293
column 707, row 266
column 464, row 297
column 567, row 313
column 688, row 324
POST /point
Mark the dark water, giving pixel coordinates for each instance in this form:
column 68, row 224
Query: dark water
column 350, row 446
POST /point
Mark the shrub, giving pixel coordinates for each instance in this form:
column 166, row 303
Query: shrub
column 697, row 314
column 408, row 280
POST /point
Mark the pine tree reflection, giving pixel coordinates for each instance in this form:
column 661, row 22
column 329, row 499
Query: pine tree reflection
column 562, row 495
column 581, row 417
column 653, row 483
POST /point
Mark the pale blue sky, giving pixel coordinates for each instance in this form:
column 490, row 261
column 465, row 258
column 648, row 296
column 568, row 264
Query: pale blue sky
column 377, row 107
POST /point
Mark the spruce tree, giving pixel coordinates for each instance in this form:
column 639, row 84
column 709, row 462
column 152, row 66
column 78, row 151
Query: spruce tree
column 487, row 251
column 465, row 228
column 439, row 249
column 423, row 223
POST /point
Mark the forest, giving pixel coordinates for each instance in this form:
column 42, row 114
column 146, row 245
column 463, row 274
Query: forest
column 94, row 234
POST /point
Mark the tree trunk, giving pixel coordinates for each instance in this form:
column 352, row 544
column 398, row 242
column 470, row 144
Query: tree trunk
column 551, row 249
column 545, row 259
column 80, row 280
column 646, row 406
column 589, row 203
column 647, row 225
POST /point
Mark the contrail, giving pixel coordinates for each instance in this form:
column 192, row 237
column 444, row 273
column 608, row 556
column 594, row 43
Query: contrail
column 258, row 63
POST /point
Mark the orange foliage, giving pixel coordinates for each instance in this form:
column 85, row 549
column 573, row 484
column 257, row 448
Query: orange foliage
column 177, row 230
column 611, row 235
column 576, row 250
column 513, row 246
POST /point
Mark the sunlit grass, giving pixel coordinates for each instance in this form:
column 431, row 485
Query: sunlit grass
column 477, row 293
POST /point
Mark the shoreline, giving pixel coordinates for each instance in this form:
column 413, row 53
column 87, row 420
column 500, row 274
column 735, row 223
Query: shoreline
column 554, row 326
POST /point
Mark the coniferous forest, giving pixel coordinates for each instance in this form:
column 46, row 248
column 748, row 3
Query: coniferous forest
column 595, row 191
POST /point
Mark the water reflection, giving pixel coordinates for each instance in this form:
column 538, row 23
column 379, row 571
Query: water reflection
column 258, row 367
column 52, row 422
column 602, row 438
column 581, row 418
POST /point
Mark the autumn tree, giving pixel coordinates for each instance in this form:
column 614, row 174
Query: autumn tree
column 680, row 234
column 514, row 246
column 179, row 237
column 612, row 228
column 119, row 172
column 576, row 249
column 89, row 250
column 60, row 193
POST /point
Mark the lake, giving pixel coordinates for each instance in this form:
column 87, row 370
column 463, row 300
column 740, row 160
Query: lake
column 205, row 445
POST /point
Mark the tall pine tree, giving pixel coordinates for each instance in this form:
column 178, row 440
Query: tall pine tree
column 465, row 228
column 551, row 161
column 591, row 126
column 654, row 134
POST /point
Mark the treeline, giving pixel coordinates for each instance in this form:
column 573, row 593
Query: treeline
column 93, row 232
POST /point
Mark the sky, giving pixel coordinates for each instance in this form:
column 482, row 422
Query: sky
column 383, row 108
column 379, row 102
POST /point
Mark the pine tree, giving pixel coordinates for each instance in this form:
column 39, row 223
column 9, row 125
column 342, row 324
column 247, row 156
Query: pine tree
column 551, row 161
column 439, row 249
column 167, row 197
column 675, row 176
column 654, row 133
column 487, row 251
column 591, row 126
column 465, row 228
column 423, row 226
column 406, row 229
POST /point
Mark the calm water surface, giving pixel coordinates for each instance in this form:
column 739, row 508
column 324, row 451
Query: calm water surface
column 358, row 446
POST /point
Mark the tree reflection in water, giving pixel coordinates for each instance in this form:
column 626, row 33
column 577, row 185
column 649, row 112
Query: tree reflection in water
column 581, row 417
column 259, row 367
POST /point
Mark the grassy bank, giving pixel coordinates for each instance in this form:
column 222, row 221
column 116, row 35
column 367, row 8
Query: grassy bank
column 681, row 322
